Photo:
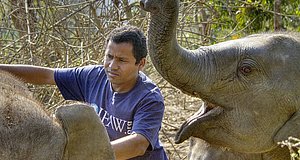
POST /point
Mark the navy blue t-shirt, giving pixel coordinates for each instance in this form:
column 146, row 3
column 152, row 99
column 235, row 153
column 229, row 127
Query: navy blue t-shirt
column 138, row 111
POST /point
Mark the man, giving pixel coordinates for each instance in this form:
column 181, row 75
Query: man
column 128, row 103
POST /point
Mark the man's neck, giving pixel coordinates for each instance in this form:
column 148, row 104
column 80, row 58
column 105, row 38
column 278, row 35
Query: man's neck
column 123, row 88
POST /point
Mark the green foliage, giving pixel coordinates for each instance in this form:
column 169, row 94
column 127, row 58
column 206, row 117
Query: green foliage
column 233, row 19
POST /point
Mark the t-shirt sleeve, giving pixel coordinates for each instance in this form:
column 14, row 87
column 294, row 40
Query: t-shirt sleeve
column 73, row 83
column 69, row 83
column 148, row 119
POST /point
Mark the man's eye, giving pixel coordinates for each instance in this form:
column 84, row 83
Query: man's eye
column 109, row 56
column 123, row 60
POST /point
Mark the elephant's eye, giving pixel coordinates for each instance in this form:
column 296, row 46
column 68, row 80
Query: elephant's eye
column 245, row 70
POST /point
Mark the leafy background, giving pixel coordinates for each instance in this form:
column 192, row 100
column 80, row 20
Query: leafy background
column 69, row 33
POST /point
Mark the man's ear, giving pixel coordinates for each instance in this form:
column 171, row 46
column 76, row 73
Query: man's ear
column 142, row 64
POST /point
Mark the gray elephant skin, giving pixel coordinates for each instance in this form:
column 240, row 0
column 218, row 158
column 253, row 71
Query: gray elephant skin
column 28, row 132
column 250, row 88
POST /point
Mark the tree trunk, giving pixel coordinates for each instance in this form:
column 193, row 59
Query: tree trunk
column 127, row 7
column 204, row 24
column 23, row 18
column 24, row 21
column 277, row 17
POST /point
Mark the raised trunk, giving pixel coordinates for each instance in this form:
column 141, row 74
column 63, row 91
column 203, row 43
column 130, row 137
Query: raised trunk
column 177, row 65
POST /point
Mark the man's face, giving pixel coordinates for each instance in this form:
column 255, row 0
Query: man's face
column 120, row 66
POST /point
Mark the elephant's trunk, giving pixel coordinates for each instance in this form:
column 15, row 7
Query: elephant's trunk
column 179, row 66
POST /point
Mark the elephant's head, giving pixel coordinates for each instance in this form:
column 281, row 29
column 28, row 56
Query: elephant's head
column 250, row 86
column 86, row 136
column 28, row 132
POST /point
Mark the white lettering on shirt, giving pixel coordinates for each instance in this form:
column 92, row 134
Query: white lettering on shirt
column 115, row 123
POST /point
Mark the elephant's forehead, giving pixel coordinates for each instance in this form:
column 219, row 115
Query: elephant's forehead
column 249, row 42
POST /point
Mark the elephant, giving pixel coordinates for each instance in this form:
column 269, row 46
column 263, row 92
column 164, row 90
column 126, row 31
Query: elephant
column 250, row 86
column 27, row 131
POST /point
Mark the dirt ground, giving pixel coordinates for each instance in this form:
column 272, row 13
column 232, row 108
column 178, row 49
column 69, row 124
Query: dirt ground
column 178, row 108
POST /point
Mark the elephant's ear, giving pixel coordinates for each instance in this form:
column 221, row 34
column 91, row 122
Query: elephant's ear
column 290, row 128
column 86, row 135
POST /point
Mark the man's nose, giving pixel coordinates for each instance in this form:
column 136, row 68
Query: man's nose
column 113, row 64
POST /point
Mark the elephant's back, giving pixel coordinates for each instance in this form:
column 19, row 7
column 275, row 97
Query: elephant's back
column 26, row 130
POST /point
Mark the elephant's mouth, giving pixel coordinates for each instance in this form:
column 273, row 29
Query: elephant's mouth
column 206, row 112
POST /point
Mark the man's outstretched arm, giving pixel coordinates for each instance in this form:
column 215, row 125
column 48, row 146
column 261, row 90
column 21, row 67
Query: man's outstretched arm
column 130, row 146
column 31, row 74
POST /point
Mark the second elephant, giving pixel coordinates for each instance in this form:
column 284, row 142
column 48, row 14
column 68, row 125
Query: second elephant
column 28, row 132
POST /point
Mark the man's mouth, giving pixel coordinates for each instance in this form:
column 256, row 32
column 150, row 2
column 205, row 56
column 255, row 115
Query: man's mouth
column 112, row 74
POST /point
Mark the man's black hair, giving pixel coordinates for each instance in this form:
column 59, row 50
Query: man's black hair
column 133, row 35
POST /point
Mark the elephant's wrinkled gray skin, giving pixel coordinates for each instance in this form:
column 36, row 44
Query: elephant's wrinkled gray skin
column 201, row 150
column 28, row 132
column 250, row 86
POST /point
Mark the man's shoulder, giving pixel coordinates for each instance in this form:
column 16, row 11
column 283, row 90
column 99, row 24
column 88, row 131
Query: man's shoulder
column 149, row 87
column 93, row 67
column 81, row 68
column 94, row 72
column 146, row 82
column 82, row 72
column 145, row 79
